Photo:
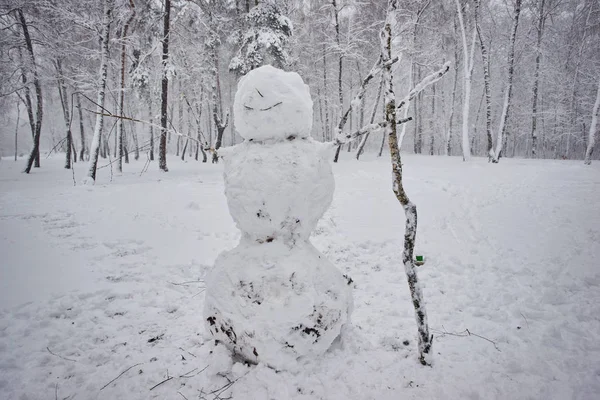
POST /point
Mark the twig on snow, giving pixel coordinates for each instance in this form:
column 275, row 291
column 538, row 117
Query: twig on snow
column 59, row 356
column 465, row 333
column 121, row 374
column 182, row 349
column 186, row 283
column 187, row 374
column 161, row 382
column 181, row 394
column 527, row 322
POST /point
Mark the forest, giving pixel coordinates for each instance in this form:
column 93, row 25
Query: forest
column 523, row 79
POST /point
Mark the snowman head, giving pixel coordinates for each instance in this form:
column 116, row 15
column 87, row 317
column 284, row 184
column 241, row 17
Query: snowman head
column 272, row 104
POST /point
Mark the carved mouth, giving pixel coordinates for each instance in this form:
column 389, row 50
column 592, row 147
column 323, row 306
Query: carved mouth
column 263, row 109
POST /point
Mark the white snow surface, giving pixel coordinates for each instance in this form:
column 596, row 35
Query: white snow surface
column 102, row 288
column 272, row 104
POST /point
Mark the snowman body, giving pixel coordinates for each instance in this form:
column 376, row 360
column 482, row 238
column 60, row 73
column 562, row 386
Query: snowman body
column 274, row 297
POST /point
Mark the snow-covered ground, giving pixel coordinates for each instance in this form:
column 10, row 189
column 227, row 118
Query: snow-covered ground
column 101, row 291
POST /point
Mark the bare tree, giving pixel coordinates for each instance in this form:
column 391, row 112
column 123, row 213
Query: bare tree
column 509, row 84
column 64, row 101
column 536, row 79
column 120, row 123
column 487, row 85
column 593, row 125
column 34, row 156
column 95, row 147
column 410, row 209
column 162, row 151
column 468, row 56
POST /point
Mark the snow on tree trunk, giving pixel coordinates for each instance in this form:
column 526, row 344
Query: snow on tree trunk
column 81, row 129
column 17, row 129
column 536, row 79
column 509, row 80
column 64, row 102
column 487, row 86
column 162, row 151
column 95, row 146
column 274, row 297
column 34, row 156
column 593, row 125
column 410, row 209
column 468, row 74
column 120, row 123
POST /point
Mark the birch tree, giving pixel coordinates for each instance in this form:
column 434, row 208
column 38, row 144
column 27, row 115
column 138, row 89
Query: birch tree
column 34, row 156
column 509, row 84
column 593, row 125
column 104, row 60
column 536, row 79
column 120, row 123
column 410, row 209
column 468, row 57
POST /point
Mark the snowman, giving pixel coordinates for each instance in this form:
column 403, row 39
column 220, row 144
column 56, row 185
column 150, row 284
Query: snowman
column 274, row 298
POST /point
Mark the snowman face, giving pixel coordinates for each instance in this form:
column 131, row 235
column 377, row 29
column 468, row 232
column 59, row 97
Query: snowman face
column 272, row 104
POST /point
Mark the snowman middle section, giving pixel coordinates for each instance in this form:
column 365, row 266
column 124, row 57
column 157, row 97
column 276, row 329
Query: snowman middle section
column 274, row 297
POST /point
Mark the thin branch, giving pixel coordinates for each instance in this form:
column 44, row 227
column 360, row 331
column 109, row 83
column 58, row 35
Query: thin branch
column 121, row 374
column 343, row 139
column 465, row 333
column 160, row 383
column 427, row 81
column 59, row 356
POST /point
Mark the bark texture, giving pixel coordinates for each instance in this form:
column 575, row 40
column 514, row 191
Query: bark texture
column 410, row 209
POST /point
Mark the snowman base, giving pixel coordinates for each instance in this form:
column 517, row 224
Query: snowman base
column 275, row 302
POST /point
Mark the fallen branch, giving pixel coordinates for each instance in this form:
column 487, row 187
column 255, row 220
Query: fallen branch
column 121, row 374
column 160, row 383
column 186, row 283
column 465, row 333
column 187, row 374
column 59, row 356
column 181, row 394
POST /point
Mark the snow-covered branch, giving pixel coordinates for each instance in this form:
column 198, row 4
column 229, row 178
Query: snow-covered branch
column 363, row 87
column 427, row 81
column 343, row 139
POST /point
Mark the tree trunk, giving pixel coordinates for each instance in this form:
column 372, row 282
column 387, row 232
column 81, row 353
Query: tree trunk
column 151, row 118
column 487, row 86
column 536, row 80
column 34, row 156
column 27, row 100
column 468, row 73
column 81, row 129
column 326, row 133
column 448, row 146
column 509, row 81
column 340, row 69
column 432, row 119
column 121, row 122
column 17, row 128
column 410, row 210
column 162, row 152
column 95, row 147
column 64, row 101
column 593, row 124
